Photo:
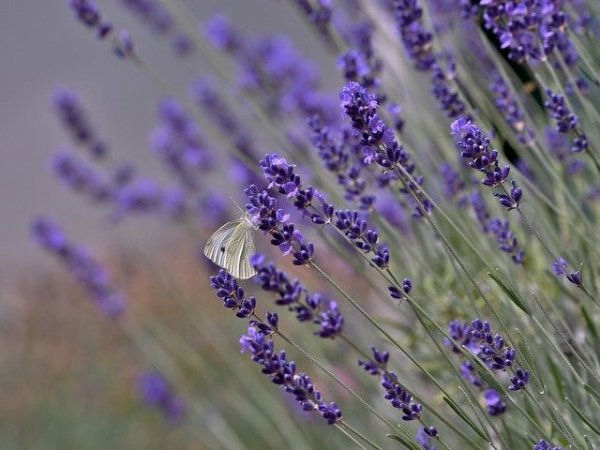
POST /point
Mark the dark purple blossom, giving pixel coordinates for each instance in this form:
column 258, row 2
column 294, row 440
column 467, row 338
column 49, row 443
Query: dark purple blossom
column 87, row 12
column 510, row 110
column 469, row 373
column 559, row 267
column 513, row 198
column 491, row 348
column 529, row 30
column 142, row 196
column 319, row 14
column 475, row 149
column 216, row 109
column 306, row 306
column 283, row 372
column 81, row 177
column 424, row 436
column 178, row 141
column 494, row 404
column 566, row 120
column 155, row 391
column 158, row 19
column 342, row 157
column 377, row 365
column 544, row 445
column 479, row 339
column 398, row 396
column 232, row 295
column 380, row 146
column 86, row 270
column 498, row 227
column 74, row 118
column 559, row 146
column 263, row 213
column 273, row 72
column 123, row 45
column 519, row 380
column 416, row 38
column 460, row 332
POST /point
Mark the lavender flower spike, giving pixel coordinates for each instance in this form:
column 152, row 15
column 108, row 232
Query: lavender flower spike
column 307, row 306
column 543, row 445
column 155, row 391
column 559, row 267
column 566, row 121
column 88, row 272
column 474, row 147
column 398, row 396
column 74, row 118
column 283, row 372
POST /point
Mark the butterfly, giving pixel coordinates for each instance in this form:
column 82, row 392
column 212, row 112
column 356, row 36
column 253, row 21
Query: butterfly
column 232, row 246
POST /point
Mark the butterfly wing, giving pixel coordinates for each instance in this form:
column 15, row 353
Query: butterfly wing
column 216, row 247
column 231, row 247
column 242, row 250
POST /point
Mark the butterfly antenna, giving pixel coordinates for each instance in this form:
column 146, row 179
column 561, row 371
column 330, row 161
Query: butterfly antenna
column 236, row 204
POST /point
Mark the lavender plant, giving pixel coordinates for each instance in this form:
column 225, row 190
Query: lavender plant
column 377, row 253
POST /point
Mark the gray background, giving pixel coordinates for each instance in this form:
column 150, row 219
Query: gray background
column 43, row 47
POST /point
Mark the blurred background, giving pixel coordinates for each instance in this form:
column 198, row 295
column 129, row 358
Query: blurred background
column 67, row 376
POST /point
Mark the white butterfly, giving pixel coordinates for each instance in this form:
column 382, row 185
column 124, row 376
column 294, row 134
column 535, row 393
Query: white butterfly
column 231, row 247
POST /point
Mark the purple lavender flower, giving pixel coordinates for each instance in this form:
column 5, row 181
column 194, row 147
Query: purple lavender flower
column 469, row 373
column 474, row 147
column 491, row 348
column 416, row 39
column 459, row 332
column 424, row 436
column 218, row 111
column 507, row 241
column 140, row 196
column 510, row 110
column 398, row 396
column 123, row 45
column 232, row 295
column 494, row 404
column 500, row 228
column 519, row 380
column 281, row 371
column 448, row 99
column 273, row 72
column 529, row 30
column 307, row 306
column 80, row 177
column 379, row 145
column 559, row 267
column 418, row 44
column 319, row 15
column 544, row 445
column 358, row 67
column 558, row 144
column 74, row 118
column 454, row 186
column 566, row 121
column 377, row 365
column 342, row 157
column 480, row 340
column 263, row 213
column 86, row 270
column 179, row 143
column 86, row 12
column 155, row 391
column 221, row 35
column 158, row 19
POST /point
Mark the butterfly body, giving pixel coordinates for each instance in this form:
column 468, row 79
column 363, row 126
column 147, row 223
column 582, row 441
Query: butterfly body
column 231, row 247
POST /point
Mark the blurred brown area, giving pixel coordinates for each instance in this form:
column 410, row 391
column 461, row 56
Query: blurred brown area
column 67, row 374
